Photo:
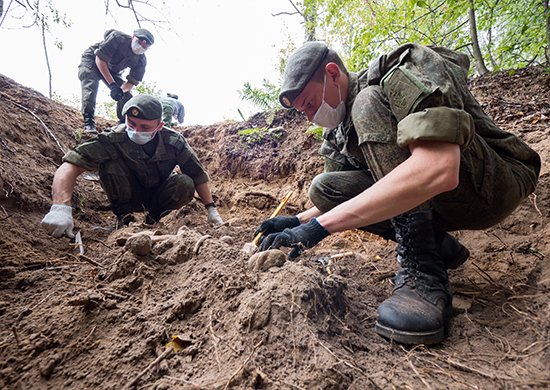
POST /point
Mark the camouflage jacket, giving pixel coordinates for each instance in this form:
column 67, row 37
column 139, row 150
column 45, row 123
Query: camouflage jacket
column 427, row 93
column 150, row 169
column 116, row 50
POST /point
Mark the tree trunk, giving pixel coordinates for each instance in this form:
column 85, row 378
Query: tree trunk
column 43, row 26
column 547, row 15
column 480, row 64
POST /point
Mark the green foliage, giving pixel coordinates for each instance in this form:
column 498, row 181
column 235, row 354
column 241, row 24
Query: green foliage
column 265, row 98
column 78, row 134
column 107, row 109
column 150, row 88
column 511, row 32
column 315, row 131
column 260, row 135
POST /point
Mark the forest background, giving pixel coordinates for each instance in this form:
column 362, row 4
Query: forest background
column 497, row 34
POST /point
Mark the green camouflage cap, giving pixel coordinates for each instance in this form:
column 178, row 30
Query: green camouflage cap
column 142, row 33
column 300, row 67
column 143, row 107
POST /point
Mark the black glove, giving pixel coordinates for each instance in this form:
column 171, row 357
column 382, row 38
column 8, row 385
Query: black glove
column 116, row 91
column 277, row 224
column 304, row 236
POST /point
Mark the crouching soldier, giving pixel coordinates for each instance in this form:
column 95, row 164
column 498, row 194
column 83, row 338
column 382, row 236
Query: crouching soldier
column 136, row 169
column 409, row 155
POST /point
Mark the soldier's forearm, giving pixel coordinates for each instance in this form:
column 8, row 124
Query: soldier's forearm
column 64, row 182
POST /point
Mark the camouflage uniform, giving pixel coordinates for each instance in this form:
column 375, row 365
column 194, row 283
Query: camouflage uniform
column 421, row 93
column 116, row 50
column 172, row 108
column 140, row 177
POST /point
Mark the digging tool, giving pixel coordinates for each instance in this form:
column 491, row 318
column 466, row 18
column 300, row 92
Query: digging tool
column 251, row 247
column 77, row 242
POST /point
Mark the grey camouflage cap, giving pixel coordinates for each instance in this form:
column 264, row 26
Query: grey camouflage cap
column 143, row 107
column 143, row 33
column 300, row 67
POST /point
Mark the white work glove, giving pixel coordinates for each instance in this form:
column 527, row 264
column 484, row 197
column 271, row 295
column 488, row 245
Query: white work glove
column 214, row 217
column 59, row 221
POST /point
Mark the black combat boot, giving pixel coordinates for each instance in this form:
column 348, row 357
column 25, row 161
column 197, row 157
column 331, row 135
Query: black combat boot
column 89, row 123
column 420, row 306
column 452, row 252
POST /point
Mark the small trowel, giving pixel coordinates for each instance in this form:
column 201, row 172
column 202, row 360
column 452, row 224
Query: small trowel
column 78, row 245
column 251, row 247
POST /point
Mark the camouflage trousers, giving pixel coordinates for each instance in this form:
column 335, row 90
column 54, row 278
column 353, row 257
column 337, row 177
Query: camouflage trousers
column 167, row 114
column 89, row 80
column 127, row 195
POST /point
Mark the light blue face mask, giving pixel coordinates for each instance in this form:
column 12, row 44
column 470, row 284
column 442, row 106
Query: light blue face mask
column 140, row 137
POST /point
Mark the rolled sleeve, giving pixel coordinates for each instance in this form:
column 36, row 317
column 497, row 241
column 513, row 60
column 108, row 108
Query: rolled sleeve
column 78, row 159
column 437, row 124
column 194, row 169
column 91, row 154
column 190, row 164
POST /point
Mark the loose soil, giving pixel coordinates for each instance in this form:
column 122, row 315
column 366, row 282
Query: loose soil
column 103, row 320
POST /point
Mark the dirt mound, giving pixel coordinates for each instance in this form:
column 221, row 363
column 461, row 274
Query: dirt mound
column 103, row 320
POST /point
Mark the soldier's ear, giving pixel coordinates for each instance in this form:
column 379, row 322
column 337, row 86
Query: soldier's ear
column 333, row 71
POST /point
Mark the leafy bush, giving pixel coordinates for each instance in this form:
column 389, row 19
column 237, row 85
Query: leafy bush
column 260, row 135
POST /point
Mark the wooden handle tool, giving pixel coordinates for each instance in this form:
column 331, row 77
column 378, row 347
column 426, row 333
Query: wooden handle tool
column 275, row 213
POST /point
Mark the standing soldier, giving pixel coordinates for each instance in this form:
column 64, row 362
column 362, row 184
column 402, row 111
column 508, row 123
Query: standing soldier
column 105, row 61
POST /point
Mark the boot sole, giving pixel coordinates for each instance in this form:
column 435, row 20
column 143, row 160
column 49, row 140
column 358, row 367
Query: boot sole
column 406, row 337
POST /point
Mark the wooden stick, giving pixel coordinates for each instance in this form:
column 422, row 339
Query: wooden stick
column 275, row 213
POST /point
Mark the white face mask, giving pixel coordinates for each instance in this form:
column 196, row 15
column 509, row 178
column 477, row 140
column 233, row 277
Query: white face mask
column 140, row 137
column 136, row 47
column 329, row 117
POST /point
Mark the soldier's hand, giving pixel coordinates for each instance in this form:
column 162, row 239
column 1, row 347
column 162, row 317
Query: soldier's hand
column 306, row 235
column 59, row 221
column 277, row 224
column 214, row 217
column 116, row 91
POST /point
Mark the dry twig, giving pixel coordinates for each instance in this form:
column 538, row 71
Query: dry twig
column 160, row 358
column 242, row 365
column 534, row 200
column 418, row 374
column 88, row 260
